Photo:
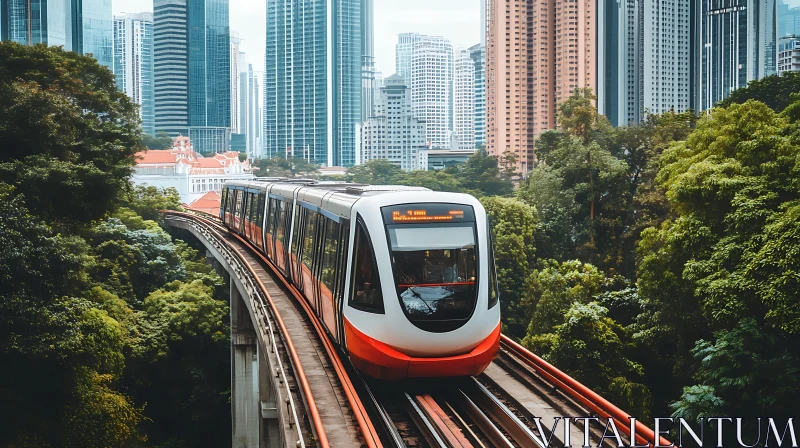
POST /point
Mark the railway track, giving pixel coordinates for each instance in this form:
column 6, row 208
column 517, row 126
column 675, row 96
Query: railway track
column 517, row 402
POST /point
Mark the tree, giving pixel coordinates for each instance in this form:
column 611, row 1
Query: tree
column 513, row 225
column 481, row 175
column 435, row 180
column 551, row 291
column 775, row 91
column 277, row 166
column 725, row 269
column 374, row 172
column 161, row 141
column 181, row 365
column 591, row 347
column 147, row 201
column 68, row 132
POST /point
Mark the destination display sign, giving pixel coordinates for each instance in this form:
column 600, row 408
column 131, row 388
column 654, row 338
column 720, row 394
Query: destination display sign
column 427, row 213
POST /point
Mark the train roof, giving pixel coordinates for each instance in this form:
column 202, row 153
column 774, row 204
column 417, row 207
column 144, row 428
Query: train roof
column 336, row 197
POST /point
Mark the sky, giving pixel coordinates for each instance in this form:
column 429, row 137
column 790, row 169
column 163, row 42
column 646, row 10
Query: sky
column 457, row 20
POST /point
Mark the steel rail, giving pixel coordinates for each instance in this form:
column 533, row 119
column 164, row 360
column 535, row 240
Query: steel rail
column 578, row 391
column 322, row 438
column 362, row 418
column 424, row 424
column 502, row 415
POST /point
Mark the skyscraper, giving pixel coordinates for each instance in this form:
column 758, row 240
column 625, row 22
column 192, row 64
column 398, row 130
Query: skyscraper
column 171, row 67
column 645, row 58
column 32, row 22
column 393, row 133
column 209, row 75
column 464, row 101
column 537, row 53
column 313, row 80
column 133, row 63
column 738, row 44
column 429, row 64
column 193, row 74
column 368, row 59
column 93, row 29
column 83, row 26
column 236, row 125
column 788, row 18
column 478, row 55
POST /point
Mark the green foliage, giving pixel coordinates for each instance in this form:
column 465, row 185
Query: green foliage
column 723, row 270
column 68, row 133
column 146, row 201
column 552, row 290
column 481, row 174
column 591, row 347
column 284, row 167
column 775, row 91
column 513, row 223
column 161, row 141
column 375, row 172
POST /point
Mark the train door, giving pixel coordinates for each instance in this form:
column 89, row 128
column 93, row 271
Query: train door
column 330, row 248
column 294, row 255
column 270, row 231
column 258, row 221
column 246, row 216
column 222, row 204
column 307, row 256
column 280, row 236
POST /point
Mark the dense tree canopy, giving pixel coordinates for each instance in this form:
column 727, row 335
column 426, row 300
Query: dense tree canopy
column 775, row 91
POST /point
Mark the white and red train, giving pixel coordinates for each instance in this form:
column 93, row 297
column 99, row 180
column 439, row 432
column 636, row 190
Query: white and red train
column 402, row 278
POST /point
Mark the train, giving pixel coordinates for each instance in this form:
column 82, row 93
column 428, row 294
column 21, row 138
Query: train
column 402, row 278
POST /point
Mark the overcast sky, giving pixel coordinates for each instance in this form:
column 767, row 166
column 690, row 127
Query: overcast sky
column 457, row 20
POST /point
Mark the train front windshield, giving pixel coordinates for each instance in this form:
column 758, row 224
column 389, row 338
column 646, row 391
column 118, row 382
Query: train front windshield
column 434, row 260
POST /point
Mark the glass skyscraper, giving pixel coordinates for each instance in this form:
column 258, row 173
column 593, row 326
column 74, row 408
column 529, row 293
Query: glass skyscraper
column 38, row 22
column 478, row 55
column 83, row 26
column 133, row 63
column 313, row 80
column 193, row 75
column 170, row 66
column 93, row 29
column 738, row 45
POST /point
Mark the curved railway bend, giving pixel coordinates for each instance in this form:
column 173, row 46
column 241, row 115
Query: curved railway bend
column 291, row 387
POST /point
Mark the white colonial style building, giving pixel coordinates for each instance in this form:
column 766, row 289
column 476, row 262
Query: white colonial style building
column 189, row 172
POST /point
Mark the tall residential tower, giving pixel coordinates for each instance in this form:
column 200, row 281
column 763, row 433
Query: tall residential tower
column 313, row 79
column 133, row 63
column 537, row 53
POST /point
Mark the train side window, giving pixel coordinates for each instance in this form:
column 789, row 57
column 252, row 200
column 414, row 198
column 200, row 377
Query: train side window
column 271, row 217
column 224, row 202
column 330, row 250
column 367, row 293
column 260, row 213
column 239, row 194
column 308, row 239
column 494, row 291
column 296, row 234
column 280, row 232
column 342, row 259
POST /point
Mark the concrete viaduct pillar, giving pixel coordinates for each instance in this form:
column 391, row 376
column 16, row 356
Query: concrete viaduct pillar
column 253, row 402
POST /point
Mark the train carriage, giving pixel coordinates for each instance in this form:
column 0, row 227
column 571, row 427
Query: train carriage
column 402, row 278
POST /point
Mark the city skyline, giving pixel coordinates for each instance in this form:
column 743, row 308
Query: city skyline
column 457, row 20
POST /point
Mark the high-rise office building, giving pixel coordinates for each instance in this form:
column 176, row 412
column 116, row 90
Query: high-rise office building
column 788, row 54
column 236, row 125
column 478, row 55
column 32, row 22
column 133, row 63
column 738, row 43
column 537, row 53
column 788, row 18
column 171, row 66
column 645, row 58
column 428, row 62
column 83, row 26
column 393, row 133
column 463, row 101
column 209, row 75
column 93, row 30
column 254, row 124
column 367, row 59
column 313, row 80
column 193, row 74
